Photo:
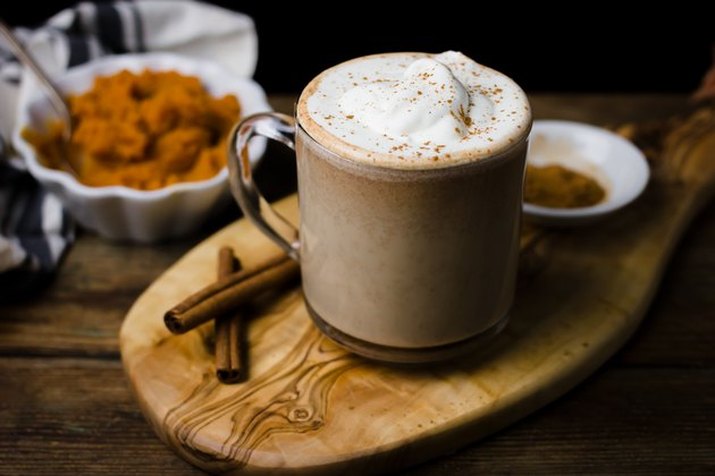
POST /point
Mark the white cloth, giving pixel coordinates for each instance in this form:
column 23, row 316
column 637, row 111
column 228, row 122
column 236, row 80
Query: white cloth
column 34, row 230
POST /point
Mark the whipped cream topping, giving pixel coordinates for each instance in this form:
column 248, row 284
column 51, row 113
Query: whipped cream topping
column 414, row 110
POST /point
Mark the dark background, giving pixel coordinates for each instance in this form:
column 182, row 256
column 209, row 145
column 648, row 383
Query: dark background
column 586, row 47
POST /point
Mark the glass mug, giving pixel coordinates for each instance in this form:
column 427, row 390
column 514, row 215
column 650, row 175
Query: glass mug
column 397, row 265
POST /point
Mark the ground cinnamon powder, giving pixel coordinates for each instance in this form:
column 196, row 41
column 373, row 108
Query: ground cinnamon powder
column 558, row 187
column 143, row 131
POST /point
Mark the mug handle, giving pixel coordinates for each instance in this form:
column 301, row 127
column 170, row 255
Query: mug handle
column 271, row 125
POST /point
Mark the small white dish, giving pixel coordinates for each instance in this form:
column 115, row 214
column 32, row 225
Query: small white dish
column 618, row 165
column 122, row 213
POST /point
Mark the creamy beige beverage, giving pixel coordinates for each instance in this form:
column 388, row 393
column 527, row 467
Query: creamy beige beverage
column 410, row 170
column 410, row 175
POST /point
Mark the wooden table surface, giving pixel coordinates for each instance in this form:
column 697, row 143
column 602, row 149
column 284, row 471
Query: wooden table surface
column 65, row 406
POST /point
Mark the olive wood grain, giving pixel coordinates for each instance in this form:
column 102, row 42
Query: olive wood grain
column 310, row 407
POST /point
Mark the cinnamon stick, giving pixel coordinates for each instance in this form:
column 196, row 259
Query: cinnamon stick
column 229, row 329
column 228, row 293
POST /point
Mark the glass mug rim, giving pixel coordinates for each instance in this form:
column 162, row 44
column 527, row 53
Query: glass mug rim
column 485, row 163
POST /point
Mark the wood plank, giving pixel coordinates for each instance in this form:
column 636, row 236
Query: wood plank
column 582, row 294
column 558, row 351
column 607, row 108
column 669, row 360
column 621, row 421
column 75, row 416
column 81, row 310
column 679, row 329
column 635, row 421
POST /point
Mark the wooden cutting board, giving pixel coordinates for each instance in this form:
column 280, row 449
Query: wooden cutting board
column 310, row 407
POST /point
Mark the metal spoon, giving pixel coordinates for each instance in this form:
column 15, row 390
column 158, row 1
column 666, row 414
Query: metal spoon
column 53, row 93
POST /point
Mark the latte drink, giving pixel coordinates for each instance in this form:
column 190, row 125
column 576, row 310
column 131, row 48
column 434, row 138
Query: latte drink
column 410, row 170
column 410, row 177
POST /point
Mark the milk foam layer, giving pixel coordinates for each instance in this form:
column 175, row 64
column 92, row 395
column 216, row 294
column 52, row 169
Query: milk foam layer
column 414, row 110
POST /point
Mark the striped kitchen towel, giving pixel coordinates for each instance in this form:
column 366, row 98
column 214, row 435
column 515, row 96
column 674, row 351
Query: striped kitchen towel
column 34, row 233
column 34, row 230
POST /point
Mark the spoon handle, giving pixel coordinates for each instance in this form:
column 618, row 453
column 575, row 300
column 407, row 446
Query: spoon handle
column 26, row 59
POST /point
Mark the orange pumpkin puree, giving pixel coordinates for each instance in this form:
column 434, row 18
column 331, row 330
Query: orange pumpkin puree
column 143, row 131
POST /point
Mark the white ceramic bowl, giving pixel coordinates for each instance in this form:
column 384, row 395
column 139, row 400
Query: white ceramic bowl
column 616, row 163
column 122, row 213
